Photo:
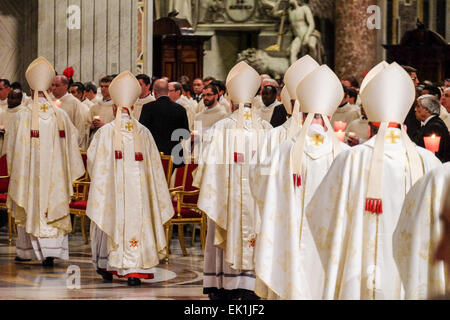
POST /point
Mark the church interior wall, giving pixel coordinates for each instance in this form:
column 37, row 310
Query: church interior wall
column 104, row 43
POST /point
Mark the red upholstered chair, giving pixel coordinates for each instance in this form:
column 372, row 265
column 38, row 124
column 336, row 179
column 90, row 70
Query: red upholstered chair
column 78, row 205
column 4, row 183
column 185, row 205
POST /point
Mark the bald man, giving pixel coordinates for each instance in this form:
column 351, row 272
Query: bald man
column 162, row 117
column 75, row 109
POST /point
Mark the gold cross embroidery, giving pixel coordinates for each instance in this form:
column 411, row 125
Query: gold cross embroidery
column 44, row 108
column 317, row 139
column 247, row 115
column 393, row 136
column 129, row 126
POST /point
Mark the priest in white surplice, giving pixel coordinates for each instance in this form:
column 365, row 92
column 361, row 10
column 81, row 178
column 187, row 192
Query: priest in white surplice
column 43, row 161
column 225, row 194
column 75, row 109
column 145, row 97
column 129, row 201
column 286, row 259
column 355, row 209
column 417, row 236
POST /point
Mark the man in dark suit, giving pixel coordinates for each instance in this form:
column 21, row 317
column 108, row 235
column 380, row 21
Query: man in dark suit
column 162, row 117
column 427, row 111
column 412, row 124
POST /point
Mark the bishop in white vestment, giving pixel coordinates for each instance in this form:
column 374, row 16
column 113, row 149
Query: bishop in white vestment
column 225, row 197
column 354, row 211
column 286, row 258
column 129, row 201
column 417, row 236
column 43, row 161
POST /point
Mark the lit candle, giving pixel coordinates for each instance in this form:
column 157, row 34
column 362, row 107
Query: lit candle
column 58, row 103
column 339, row 126
column 432, row 143
column 340, row 135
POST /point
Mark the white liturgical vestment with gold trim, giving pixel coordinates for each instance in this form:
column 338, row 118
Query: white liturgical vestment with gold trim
column 129, row 200
column 225, row 194
column 418, row 234
column 355, row 245
column 42, row 171
column 287, row 263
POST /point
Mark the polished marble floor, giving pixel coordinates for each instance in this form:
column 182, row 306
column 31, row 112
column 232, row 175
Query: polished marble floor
column 180, row 279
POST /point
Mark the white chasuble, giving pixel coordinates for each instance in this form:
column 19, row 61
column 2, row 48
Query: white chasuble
column 225, row 189
column 128, row 200
column 287, row 263
column 418, row 234
column 42, row 171
column 355, row 245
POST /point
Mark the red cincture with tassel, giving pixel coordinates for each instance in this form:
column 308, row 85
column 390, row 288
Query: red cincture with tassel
column 119, row 155
column 62, row 133
column 374, row 205
column 138, row 156
column 297, row 180
column 34, row 133
column 238, row 157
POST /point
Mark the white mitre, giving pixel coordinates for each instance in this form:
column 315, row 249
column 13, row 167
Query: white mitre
column 242, row 85
column 314, row 100
column 40, row 75
column 293, row 76
column 286, row 99
column 124, row 91
column 387, row 97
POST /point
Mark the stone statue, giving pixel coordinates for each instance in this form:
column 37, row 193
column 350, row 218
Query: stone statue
column 262, row 62
column 184, row 8
column 215, row 11
column 307, row 40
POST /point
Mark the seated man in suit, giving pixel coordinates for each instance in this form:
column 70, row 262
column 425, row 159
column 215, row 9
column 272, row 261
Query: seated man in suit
column 427, row 111
column 162, row 117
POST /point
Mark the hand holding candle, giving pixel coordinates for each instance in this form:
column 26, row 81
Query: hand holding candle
column 432, row 143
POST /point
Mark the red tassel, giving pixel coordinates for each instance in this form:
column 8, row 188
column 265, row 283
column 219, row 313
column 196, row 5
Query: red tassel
column 138, row 156
column 374, row 205
column 297, row 180
column 119, row 155
column 35, row 133
column 253, row 153
column 238, row 157
column 62, row 133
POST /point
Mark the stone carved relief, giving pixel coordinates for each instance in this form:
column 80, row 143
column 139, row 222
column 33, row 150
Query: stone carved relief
column 263, row 63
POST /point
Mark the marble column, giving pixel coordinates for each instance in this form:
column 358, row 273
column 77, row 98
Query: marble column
column 356, row 50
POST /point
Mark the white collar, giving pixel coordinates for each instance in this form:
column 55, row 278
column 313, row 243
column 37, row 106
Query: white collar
column 272, row 105
column 428, row 119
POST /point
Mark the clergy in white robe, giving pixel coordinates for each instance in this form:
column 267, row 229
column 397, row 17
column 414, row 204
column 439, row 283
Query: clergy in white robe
column 129, row 201
column 417, row 236
column 346, row 113
column 225, row 197
column 146, row 95
column 286, row 258
column 355, row 209
column 41, row 141
column 74, row 108
column 15, row 104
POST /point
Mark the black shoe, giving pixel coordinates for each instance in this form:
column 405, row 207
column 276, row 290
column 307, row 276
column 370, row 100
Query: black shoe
column 21, row 260
column 105, row 275
column 134, row 281
column 48, row 262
